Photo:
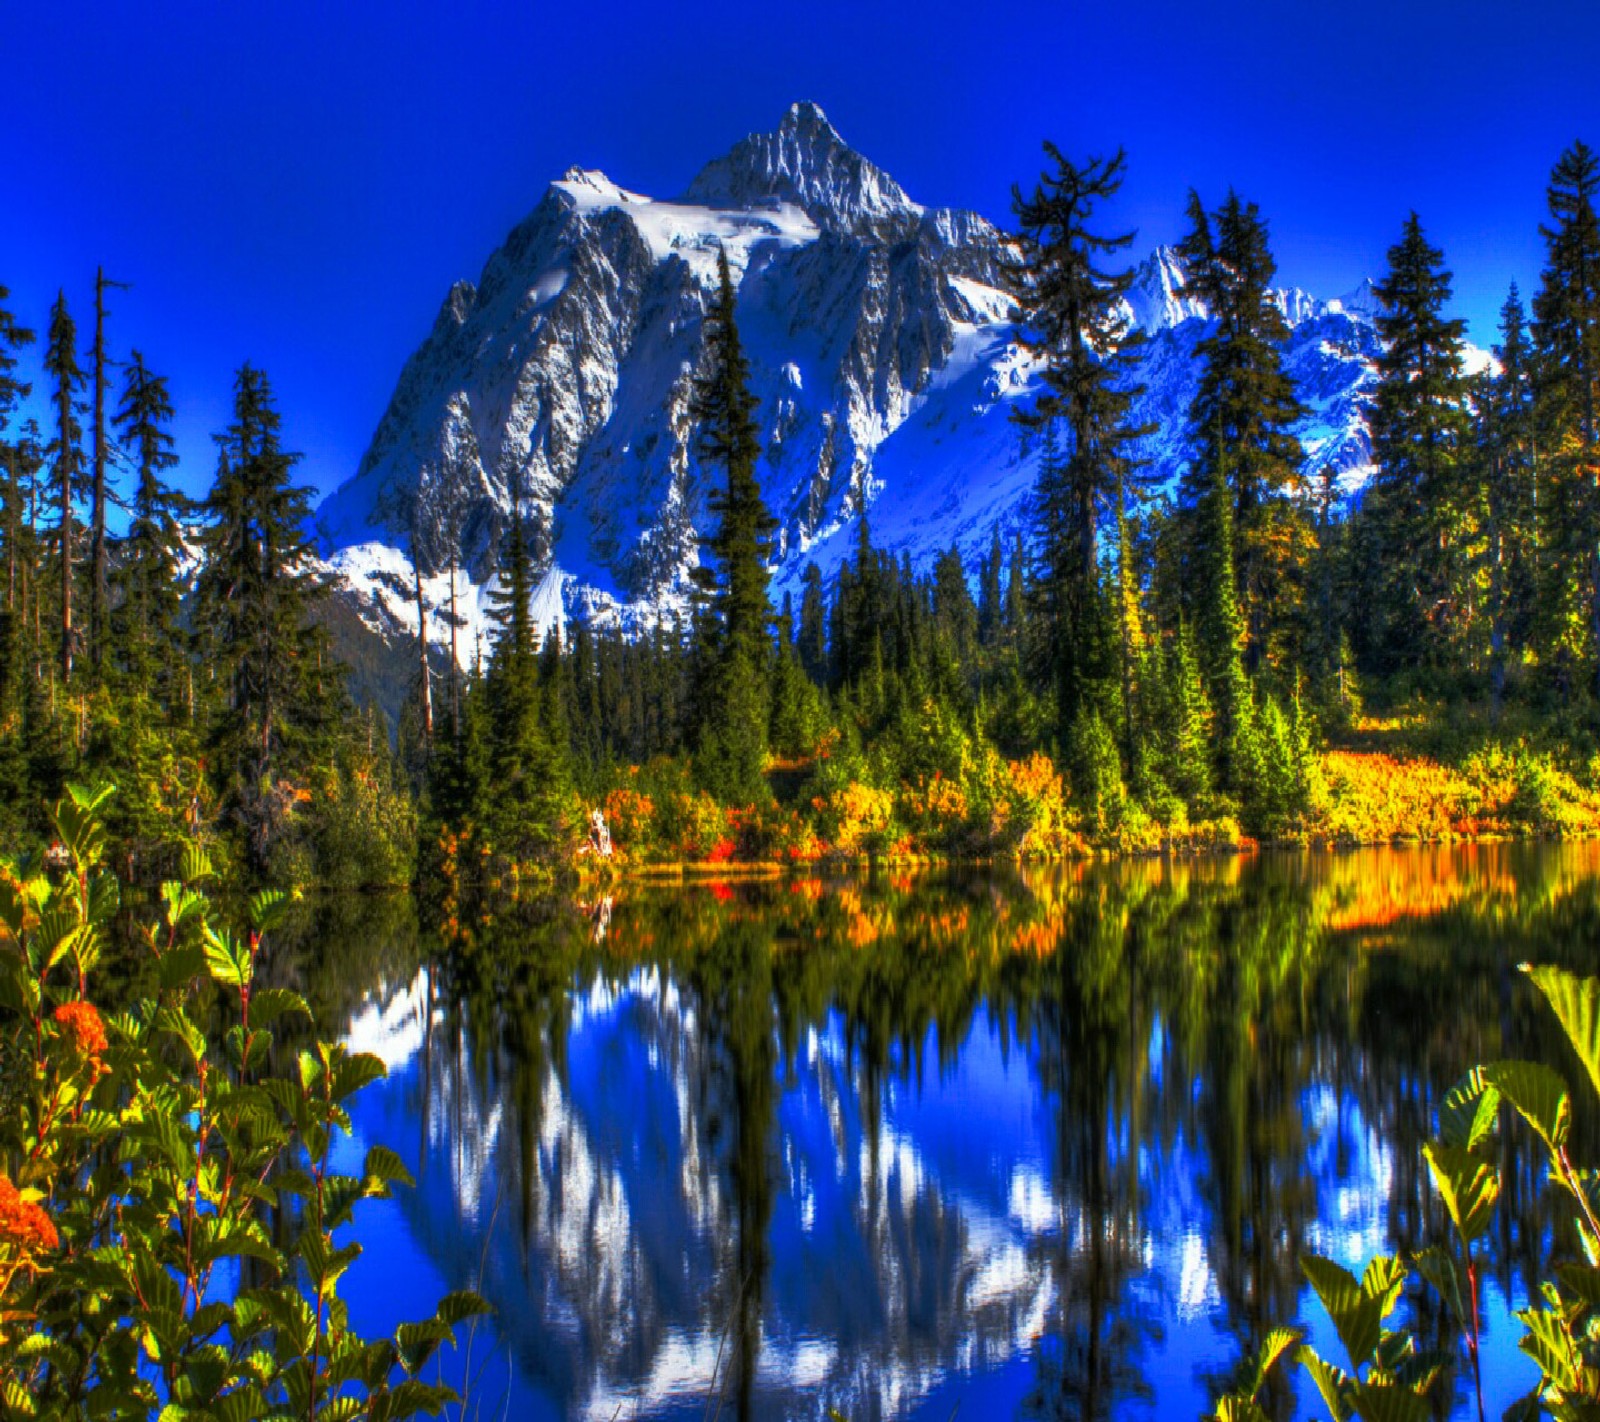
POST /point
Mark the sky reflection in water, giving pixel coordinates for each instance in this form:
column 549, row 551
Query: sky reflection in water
column 1037, row 1146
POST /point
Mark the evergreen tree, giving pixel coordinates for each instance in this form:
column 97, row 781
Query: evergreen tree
column 99, row 585
column 991, row 598
column 147, row 627
column 813, row 635
column 525, row 788
column 65, row 450
column 1566, row 328
column 734, row 705
column 1072, row 323
column 1419, row 431
column 13, row 336
column 255, row 596
column 1243, row 417
column 1507, row 495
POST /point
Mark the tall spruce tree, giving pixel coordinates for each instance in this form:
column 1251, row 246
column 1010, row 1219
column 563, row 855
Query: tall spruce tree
column 733, row 702
column 66, row 453
column 1419, row 433
column 525, row 794
column 1242, row 420
column 13, row 336
column 1507, row 493
column 1566, row 328
column 146, row 625
column 1072, row 322
column 255, row 596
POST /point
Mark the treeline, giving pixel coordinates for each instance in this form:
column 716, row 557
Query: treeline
column 181, row 659
column 1146, row 666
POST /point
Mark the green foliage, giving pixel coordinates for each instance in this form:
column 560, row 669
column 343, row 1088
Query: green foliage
column 168, row 1207
column 1392, row 1374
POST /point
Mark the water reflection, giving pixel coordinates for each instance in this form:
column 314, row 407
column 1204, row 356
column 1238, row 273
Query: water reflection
column 1044, row 1145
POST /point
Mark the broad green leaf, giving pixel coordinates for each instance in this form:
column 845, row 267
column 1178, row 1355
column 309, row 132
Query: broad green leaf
column 1380, row 1402
column 105, row 898
column 1336, row 1386
column 195, row 867
column 1468, row 1186
column 1469, row 1111
column 269, row 1004
column 1582, row 1281
column 1576, row 1003
column 227, row 960
column 1383, row 1279
column 354, row 1071
column 384, row 1166
column 1356, row 1314
column 457, row 1307
column 1239, row 1409
column 1539, row 1096
column 267, row 908
column 1550, row 1346
column 1439, row 1268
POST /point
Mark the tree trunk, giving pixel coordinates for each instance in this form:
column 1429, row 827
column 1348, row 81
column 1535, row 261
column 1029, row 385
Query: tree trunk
column 97, row 516
column 422, row 660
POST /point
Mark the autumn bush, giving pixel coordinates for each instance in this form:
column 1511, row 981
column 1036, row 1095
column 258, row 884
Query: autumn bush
column 168, row 1204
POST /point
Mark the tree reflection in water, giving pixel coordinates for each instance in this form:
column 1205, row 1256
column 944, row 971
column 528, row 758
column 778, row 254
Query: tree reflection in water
column 1045, row 1143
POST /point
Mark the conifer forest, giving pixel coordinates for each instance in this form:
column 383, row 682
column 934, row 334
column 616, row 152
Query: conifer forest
column 1246, row 657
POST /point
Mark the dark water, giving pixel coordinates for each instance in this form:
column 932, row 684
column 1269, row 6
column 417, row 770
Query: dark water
column 989, row 1145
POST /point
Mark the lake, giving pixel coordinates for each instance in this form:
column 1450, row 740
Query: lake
column 982, row 1143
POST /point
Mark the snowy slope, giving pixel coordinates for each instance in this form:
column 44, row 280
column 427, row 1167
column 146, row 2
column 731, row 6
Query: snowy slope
column 881, row 352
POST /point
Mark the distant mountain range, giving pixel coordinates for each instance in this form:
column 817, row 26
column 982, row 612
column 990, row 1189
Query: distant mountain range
column 882, row 352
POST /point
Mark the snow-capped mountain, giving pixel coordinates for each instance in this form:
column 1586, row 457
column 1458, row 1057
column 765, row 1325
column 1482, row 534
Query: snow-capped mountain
column 882, row 354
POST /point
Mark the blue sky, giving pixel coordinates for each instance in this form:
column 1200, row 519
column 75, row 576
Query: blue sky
column 298, row 184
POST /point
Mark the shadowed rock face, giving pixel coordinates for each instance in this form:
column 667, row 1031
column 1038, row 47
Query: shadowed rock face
column 881, row 352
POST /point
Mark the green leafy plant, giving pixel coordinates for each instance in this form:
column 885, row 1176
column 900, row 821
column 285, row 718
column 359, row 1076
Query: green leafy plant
column 172, row 1232
column 1391, row 1377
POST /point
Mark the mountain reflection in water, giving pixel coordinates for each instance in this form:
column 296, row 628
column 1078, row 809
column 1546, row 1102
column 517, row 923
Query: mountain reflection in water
column 1039, row 1145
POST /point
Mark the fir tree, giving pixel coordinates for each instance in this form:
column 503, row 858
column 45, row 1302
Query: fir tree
column 1566, row 327
column 734, row 701
column 255, row 596
column 1419, row 429
column 1507, row 496
column 147, row 621
column 1244, row 413
column 13, row 336
column 813, row 634
column 1072, row 323
column 65, row 450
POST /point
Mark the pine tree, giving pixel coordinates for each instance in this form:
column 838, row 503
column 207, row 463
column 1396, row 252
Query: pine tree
column 13, row 336
column 146, row 624
column 65, row 450
column 1072, row 323
column 255, row 595
column 99, row 587
column 813, row 636
column 516, row 744
column 1566, row 328
column 1243, row 416
column 991, row 598
column 1507, row 495
column 1419, row 431
column 735, row 637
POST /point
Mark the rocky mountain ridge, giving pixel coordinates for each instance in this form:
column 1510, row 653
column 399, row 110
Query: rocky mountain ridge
column 882, row 354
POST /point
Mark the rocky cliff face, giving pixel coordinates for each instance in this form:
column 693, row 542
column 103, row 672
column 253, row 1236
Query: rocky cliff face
column 881, row 352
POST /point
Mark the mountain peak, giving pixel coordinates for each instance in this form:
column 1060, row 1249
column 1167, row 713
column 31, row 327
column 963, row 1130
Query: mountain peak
column 803, row 161
column 1156, row 299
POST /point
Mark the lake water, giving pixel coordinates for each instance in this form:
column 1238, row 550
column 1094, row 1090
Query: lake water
column 983, row 1144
